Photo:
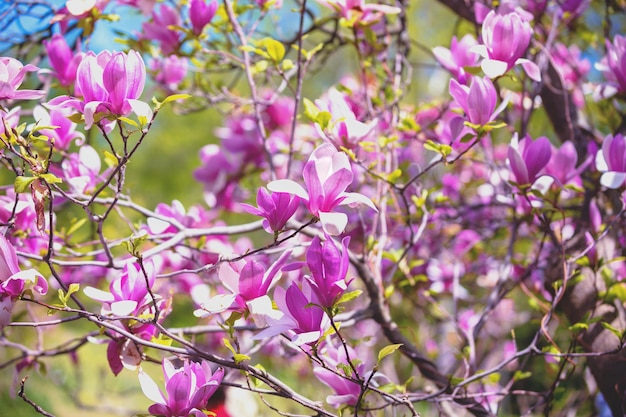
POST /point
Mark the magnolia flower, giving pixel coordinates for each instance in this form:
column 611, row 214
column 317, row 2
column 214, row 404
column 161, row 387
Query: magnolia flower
column 505, row 40
column 13, row 281
column 457, row 57
column 201, row 14
column 347, row 391
column 327, row 174
column 528, row 157
column 275, row 208
column 81, row 171
column 128, row 292
column 344, row 128
column 328, row 266
column 563, row 164
column 187, row 389
column 248, row 284
column 159, row 29
column 612, row 161
column 613, row 68
column 173, row 218
column 478, row 101
column 300, row 316
column 12, row 74
column 170, row 71
column 108, row 83
column 62, row 59
column 65, row 130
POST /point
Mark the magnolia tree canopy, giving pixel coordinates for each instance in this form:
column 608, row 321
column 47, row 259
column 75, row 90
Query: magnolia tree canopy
column 369, row 248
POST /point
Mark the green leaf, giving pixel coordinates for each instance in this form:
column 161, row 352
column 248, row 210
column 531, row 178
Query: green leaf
column 310, row 110
column 238, row 357
column 578, row 327
column 323, row 119
column 388, row 350
column 249, row 48
column 22, row 184
column 349, row 296
column 612, row 329
column 129, row 121
column 275, row 50
column 519, row 375
column 110, row 159
column 287, row 65
column 76, row 224
column 50, row 178
column 169, row 99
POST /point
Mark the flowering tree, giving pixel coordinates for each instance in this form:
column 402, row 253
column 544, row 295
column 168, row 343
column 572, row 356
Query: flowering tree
column 461, row 253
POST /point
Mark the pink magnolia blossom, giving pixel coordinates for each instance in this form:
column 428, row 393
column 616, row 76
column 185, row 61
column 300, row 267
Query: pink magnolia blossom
column 81, row 170
column 65, row 131
column 19, row 212
column 10, row 119
column 573, row 68
column 13, row 281
column 187, row 389
column 344, row 128
column 172, row 219
column 248, row 283
column 528, row 157
column 170, row 71
column 300, row 315
column 327, row 175
column 62, row 59
column 347, row 391
column 613, row 68
column 563, row 165
column 328, row 266
column 12, row 74
column 109, row 83
column 201, row 13
column 478, row 101
column 128, row 292
column 159, row 29
column 457, row 57
column 612, row 161
column 573, row 8
column 275, row 208
column 505, row 40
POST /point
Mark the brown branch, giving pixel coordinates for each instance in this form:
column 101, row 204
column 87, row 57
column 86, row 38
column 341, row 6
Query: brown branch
column 23, row 396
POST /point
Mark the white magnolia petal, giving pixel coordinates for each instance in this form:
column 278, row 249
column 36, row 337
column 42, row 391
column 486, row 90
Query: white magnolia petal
column 289, row 187
column 157, row 226
column 353, row 199
column 123, row 308
column 130, row 356
column 141, row 108
column 334, row 223
column 601, row 164
column 271, row 330
column 480, row 50
column 262, row 306
column 216, row 304
column 493, row 68
column 150, row 388
column 613, row 179
column 98, row 295
column 304, row 338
